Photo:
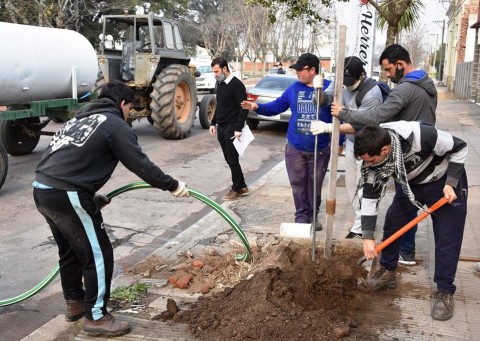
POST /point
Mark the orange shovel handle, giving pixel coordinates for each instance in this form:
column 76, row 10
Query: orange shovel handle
column 411, row 224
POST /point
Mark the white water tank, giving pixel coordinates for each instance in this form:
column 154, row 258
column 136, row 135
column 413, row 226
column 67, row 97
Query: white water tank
column 36, row 63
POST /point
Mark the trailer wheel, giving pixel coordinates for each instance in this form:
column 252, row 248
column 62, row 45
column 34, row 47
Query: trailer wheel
column 59, row 120
column 174, row 102
column 19, row 137
column 3, row 165
column 206, row 110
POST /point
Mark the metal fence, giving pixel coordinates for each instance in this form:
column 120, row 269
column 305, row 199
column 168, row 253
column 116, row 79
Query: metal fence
column 463, row 80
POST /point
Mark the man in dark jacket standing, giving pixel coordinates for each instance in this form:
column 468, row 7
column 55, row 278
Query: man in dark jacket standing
column 228, row 121
column 414, row 98
column 79, row 160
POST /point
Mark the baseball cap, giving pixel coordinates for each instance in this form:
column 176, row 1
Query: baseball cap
column 306, row 59
column 353, row 69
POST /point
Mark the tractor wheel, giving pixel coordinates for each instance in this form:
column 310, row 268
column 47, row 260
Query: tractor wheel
column 252, row 124
column 206, row 110
column 3, row 165
column 19, row 137
column 174, row 102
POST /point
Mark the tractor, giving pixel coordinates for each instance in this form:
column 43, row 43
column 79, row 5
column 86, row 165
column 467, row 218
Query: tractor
column 147, row 53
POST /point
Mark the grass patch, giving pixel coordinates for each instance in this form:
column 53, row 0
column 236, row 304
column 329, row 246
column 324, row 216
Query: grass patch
column 130, row 293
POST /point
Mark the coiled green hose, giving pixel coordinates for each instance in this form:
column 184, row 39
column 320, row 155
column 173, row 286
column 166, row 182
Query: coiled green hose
column 139, row 185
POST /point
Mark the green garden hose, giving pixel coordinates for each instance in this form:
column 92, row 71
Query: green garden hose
column 138, row 185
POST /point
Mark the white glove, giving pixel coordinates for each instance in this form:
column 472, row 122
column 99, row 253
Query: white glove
column 318, row 82
column 181, row 190
column 320, row 127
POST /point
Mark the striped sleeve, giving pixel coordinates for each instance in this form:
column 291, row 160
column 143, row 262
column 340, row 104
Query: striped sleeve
column 369, row 208
column 457, row 150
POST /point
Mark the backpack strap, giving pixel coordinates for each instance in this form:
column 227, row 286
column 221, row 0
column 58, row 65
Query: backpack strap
column 365, row 87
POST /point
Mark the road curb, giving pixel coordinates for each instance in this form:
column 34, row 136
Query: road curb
column 183, row 241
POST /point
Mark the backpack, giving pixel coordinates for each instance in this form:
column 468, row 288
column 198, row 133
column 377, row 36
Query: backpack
column 369, row 84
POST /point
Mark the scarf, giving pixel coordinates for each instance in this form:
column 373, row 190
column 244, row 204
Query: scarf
column 392, row 166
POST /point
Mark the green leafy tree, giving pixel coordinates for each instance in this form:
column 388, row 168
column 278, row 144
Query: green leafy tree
column 82, row 15
column 296, row 9
column 394, row 15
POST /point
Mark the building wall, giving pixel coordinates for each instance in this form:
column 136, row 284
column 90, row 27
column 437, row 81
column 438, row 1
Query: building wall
column 475, row 91
column 460, row 38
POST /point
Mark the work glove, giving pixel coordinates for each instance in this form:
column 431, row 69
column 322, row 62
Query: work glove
column 101, row 200
column 320, row 127
column 181, row 190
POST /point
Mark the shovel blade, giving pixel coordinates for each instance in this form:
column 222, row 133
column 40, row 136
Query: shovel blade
column 374, row 266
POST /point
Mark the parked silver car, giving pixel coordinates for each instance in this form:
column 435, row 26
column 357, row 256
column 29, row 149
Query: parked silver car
column 266, row 90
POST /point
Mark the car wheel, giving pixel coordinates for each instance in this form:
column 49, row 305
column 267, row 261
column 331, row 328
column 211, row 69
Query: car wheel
column 252, row 124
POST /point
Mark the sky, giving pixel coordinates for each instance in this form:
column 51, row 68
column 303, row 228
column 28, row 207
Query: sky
column 434, row 10
column 347, row 13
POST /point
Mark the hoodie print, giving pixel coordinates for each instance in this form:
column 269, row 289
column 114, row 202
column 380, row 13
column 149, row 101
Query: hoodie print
column 76, row 131
column 305, row 112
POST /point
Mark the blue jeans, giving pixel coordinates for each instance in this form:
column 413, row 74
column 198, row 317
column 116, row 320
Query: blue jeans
column 300, row 174
column 448, row 225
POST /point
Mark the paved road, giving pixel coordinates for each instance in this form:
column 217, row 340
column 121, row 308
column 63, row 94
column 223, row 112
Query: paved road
column 138, row 222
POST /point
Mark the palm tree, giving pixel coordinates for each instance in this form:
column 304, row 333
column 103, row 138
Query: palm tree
column 397, row 15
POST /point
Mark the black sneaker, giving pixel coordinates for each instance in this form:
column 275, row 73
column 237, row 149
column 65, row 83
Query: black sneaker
column 407, row 258
column 442, row 308
column 382, row 279
column 353, row 235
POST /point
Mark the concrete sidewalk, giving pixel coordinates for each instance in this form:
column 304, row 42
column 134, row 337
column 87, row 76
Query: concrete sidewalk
column 270, row 204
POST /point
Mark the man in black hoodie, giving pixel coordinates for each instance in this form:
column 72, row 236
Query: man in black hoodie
column 79, row 160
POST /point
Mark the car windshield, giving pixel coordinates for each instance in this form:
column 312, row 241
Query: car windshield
column 204, row 69
column 275, row 83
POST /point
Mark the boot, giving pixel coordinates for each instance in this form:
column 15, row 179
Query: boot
column 106, row 326
column 442, row 308
column 382, row 279
column 75, row 310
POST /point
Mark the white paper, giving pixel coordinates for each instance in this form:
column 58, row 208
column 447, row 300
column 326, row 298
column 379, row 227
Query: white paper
column 245, row 139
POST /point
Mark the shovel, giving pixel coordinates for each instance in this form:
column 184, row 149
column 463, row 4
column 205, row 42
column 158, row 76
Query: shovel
column 402, row 231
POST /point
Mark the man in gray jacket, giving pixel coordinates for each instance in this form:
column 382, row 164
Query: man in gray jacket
column 414, row 98
column 355, row 81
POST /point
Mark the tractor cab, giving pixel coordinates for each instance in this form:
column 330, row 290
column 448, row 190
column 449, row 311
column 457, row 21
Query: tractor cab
column 135, row 48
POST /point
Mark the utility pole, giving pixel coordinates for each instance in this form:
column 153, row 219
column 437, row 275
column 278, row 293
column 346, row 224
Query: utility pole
column 442, row 53
column 435, row 55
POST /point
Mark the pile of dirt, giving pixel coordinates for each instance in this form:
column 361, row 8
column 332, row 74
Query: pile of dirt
column 281, row 295
column 294, row 299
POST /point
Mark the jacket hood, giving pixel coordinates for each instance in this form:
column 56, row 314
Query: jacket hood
column 420, row 77
column 99, row 106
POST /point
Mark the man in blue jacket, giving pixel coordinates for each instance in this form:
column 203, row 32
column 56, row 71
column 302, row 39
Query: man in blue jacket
column 299, row 151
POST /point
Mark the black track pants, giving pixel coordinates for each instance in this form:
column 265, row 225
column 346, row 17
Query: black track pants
column 83, row 246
